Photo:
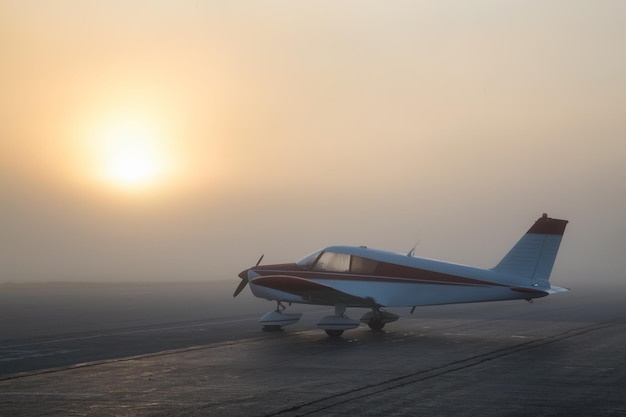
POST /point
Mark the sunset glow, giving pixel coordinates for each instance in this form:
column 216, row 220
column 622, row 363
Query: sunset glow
column 213, row 132
column 131, row 155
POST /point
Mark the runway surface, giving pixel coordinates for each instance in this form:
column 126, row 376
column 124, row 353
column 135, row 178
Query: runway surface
column 193, row 350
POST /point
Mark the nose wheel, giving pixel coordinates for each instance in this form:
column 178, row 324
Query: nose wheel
column 275, row 320
column 272, row 328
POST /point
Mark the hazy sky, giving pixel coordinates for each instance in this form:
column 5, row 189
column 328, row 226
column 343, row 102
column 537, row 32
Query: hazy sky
column 179, row 140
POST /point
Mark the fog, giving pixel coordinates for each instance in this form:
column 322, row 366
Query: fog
column 296, row 126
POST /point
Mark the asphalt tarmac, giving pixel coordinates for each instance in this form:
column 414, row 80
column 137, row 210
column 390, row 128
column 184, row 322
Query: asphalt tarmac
column 193, row 350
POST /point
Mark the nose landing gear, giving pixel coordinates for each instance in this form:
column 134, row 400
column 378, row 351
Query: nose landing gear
column 275, row 320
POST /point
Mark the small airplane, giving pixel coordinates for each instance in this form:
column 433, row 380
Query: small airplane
column 357, row 276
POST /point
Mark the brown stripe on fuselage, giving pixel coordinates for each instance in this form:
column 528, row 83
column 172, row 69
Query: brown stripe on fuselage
column 311, row 291
column 308, row 275
column 287, row 283
column 384, row 272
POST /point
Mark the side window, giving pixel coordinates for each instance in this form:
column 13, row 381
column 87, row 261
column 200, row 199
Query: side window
column 332, row 262
column 363, row 265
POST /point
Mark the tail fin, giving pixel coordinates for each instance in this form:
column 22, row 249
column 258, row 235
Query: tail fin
column 533, row 256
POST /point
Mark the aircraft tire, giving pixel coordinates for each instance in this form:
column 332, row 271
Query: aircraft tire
column 376, row 325
column 272, row 328
column 334, row 333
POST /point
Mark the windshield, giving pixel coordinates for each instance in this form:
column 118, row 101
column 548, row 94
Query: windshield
column 333, row 262
column 308, row 260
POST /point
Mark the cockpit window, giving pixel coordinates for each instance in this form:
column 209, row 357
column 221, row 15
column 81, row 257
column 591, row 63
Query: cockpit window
column 338, row 262
column 363, row 265
column 308, row 260
column 332, row 262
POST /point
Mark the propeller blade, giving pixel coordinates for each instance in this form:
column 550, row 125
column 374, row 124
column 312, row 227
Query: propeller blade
column 240, row 287
column 244, row 278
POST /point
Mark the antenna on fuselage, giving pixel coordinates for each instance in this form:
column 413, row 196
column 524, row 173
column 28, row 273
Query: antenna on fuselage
column 412, row 251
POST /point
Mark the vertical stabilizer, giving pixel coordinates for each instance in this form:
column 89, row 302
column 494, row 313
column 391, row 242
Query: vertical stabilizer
column 533, row 256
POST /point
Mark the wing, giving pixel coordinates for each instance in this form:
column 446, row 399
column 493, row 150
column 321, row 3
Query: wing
column 311, row 291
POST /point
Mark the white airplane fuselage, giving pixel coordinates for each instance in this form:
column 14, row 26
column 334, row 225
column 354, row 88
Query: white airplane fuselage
column 356, row 276
column 433, row 282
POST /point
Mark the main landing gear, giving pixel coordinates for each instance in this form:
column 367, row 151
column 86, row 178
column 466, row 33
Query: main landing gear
column 333, row 325
column 377, row 318
column 336, row 324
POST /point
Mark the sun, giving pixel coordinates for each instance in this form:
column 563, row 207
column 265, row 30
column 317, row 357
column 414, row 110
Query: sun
column 131, row 155
column 132, row 166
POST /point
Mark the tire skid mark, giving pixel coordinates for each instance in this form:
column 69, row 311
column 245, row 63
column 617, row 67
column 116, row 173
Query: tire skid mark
column 325, row 403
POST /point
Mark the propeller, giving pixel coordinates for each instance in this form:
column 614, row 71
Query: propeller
column 244, row 279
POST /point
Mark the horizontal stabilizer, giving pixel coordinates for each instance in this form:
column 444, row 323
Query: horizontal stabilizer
column 556, row 290
column 534, row 291
column 540, row 293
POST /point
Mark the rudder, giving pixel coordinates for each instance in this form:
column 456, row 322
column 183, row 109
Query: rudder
column 533, row 256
